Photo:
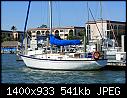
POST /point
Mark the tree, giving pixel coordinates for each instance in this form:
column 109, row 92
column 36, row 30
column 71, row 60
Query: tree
column 43, row 26
column 5, row 37
column 13, row 28
column 70, row 36
column 80, row 35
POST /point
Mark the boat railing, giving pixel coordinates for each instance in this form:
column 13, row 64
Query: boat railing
column 91, row 55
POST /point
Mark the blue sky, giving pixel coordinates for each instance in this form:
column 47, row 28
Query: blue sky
column 65, row 13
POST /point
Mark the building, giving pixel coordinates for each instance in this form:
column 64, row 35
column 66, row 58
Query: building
column 106, row 29
column 63, row 32
column 10, row 46
column 12, row 35
column 39, row 35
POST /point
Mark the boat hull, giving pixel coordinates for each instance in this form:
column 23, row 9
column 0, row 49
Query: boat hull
column 63, row 64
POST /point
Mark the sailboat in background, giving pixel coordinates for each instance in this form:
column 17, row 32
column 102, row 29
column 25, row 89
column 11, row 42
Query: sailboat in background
column 64, row 61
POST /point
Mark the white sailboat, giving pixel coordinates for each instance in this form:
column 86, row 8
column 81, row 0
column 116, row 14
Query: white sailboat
column 64, row 61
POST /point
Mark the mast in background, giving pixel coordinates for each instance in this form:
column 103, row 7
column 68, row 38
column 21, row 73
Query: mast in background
column 102, row 42
column 87, row 30
column 50, row 16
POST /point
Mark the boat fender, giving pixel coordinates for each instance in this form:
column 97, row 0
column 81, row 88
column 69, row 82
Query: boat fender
column 96, row 55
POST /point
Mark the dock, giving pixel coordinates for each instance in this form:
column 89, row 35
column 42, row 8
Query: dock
column 115, row 65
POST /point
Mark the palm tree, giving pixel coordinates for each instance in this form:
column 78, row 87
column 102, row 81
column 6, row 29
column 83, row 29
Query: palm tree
column 13, row 28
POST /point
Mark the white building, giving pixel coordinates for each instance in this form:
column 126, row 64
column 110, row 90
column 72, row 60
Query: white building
column 105, row 29
column 63, row 32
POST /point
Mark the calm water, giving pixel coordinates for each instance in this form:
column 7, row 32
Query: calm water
column 16, row 72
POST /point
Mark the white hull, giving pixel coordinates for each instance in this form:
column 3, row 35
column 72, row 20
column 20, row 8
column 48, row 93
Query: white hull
column 63, row 64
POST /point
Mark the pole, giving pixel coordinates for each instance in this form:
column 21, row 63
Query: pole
column 122, row 42
column 87, row 28
column 102, row 23
column 84, row 42
column 50, row 15
column 25, row 35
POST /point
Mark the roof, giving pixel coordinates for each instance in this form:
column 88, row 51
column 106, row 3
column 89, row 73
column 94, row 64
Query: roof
column 99, row 21
column 71, row 27
column 10, row 44
column 7, row 31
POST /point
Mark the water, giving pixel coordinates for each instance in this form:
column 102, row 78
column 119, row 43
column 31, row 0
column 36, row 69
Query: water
column 16, row 72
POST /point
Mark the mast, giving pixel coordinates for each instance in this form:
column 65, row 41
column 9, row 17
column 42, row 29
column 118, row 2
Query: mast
column 87, row 30
column 25, row 33
column 50, row 16
column 101, row 22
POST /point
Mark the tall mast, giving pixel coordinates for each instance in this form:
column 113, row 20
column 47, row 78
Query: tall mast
column 88, row 22
column 87, row 30
column 25, row 33
column 50, row 16
column 101, row 23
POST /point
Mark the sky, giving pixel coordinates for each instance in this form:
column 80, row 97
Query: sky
column 64, row 13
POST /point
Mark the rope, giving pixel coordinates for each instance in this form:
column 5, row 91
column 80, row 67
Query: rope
column 96, row 24
column 111, row 27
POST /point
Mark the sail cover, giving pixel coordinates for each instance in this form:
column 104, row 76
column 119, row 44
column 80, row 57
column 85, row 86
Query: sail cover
column 59, row 42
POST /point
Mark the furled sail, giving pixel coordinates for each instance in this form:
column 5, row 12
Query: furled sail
column 59, row 42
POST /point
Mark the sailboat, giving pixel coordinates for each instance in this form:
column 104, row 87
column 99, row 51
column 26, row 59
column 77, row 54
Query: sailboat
column 64, row 61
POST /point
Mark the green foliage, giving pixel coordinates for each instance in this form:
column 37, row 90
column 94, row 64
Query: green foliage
column 5, row 37
column 80, row 35
column 70, row 36
column 43, row 26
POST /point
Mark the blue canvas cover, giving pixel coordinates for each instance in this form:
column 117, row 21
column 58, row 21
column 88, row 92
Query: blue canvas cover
column 58, row 42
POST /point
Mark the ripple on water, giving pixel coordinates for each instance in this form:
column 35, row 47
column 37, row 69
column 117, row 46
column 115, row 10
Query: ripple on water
column 17, row 72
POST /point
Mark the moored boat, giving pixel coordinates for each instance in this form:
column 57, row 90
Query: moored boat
column 62, row 60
